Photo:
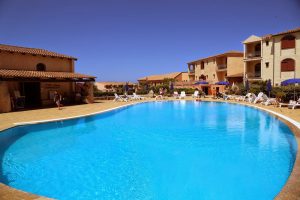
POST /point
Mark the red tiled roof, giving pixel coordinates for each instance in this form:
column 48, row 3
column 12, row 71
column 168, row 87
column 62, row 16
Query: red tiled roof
column 6, row 73
column 34, row 51
column 282, row 33
column 160, row 77
column 228, row 53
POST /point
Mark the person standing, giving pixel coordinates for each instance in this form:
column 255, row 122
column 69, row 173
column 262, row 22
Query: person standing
column 57, row 100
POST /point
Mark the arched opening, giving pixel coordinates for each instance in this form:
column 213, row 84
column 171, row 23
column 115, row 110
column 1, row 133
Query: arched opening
column 288, row 42
column 40, row 67
column 288, row 65
column 257, row 49
column 203, row 77
column 257, row 70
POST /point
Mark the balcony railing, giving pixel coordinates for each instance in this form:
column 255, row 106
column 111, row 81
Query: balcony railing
column 254, row 54
column 221, row 66
column 256, row 75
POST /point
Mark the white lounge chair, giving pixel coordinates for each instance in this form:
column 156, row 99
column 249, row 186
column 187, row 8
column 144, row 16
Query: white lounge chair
column 291, row 102
column 261, row 97
column 176, row 95
column 137, row 97
column 182, row 95
column 294, row 104
column 196, row 94
column 270, row 101
column 250, row 97
column 119, row 98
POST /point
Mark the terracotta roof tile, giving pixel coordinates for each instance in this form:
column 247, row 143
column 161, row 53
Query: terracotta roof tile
column 115, row 83
column 160, row 77
column 5, row 73
column 34, row 51
column 282, row 33
column 228, row 53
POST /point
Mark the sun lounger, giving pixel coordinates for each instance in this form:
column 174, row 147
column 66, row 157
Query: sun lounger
column 270, row 101
column 294, row 104
column 286, row 104
column 137, row 97
column 196, row 94
column 150, row 94
column 182, row 95
column 176, row 95
column 261, row 97
column 119, row 98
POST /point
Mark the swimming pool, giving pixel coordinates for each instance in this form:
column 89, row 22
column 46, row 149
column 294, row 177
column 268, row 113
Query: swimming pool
column 158, row 150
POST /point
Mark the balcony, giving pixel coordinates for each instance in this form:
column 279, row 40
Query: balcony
column 256, row 55
column 254, row 76
column 221, row 67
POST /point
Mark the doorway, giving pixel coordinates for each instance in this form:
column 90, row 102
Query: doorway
column 257, row 70
column 32, row 93
column 205, row 89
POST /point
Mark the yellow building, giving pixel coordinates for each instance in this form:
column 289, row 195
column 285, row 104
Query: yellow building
column 155, row 80
column 227, row 66
column 29, row 77
column 274, row 56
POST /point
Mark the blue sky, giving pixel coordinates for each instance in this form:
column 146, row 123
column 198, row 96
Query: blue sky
column 127, row 39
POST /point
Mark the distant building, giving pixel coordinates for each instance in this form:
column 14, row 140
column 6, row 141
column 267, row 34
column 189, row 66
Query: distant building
column 29, row 77
column 155, row 80
column 111, row 86
column 274, row 56
column 226, row 66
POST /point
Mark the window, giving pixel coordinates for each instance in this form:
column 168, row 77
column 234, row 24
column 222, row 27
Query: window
column 214, row 76
column 287, row 65
column 202, row 65
column 288, row 42
column 267, row 43
column 40, row 67
column 267, row 64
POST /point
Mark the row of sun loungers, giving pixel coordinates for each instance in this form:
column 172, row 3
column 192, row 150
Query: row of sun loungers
column 250, row 97
column 128, row 97
column 263, row 99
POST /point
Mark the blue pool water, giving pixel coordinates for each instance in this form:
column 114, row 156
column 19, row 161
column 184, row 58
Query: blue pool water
column 171, row 150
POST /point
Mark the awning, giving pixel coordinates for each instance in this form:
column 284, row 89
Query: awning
column 43, row 76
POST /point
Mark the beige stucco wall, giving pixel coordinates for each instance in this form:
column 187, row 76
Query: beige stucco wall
column 28, row 62
column 281, row 54
column 5, row 104
column 273, row 54
column 198, row 71
column 235, row 65
column 184, row 76
column 210, row 70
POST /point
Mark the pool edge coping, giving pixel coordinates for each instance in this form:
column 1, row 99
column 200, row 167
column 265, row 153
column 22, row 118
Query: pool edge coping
column 289, row 191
